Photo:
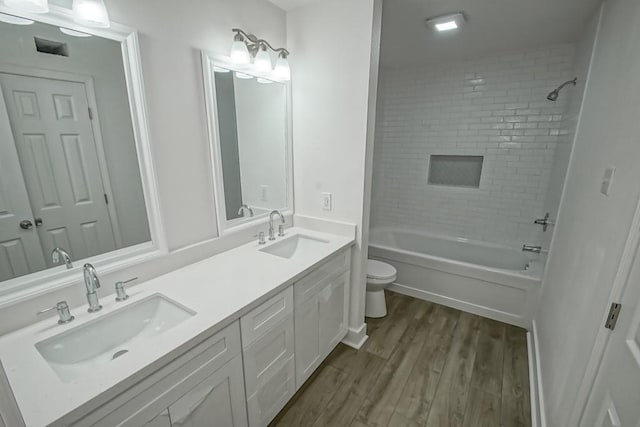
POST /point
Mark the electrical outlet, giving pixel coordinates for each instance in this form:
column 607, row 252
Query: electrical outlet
column 326, row 201
column 264, row 190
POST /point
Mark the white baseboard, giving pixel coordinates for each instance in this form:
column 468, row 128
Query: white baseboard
column 458, row 304
column 356, row 338
column 538, row 417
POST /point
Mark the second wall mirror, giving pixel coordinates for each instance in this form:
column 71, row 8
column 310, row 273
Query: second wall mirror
column 250, row 139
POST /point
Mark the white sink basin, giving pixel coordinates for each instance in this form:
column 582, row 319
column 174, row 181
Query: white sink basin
column 295, row 247
column 89, row 347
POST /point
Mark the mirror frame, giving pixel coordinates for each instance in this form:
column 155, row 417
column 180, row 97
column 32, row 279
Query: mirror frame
column 39, row 283
column 209, row 61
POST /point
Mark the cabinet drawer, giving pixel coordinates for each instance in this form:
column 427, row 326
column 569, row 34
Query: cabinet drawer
column 270, row 398
column 155, row 393
column 257, row 322
column 267, row 354
column 309, row 285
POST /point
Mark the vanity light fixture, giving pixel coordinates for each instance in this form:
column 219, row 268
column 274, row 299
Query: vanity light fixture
column 448, row 22
column 282, row 70
column 73, row 33
column 33, row 6
column 264, row 81
column 239, row 52
column 243, row 75
column 217, row 69
column 15, row 20
column 246, row 46
column 262, row 60
column 91, row 13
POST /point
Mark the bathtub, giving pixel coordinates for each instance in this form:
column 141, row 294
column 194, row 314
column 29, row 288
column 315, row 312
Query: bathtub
column 490, row 280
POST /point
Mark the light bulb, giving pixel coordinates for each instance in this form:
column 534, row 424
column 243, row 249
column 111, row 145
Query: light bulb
column 263, row 60
column 217, row 69
column 282, row 70
column 239, row 52
column 243, row 75
column 10, row 19
column 92, row 13
column 34, row 6
column 264, row 81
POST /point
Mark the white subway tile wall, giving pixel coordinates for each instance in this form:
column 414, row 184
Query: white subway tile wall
column 494, row 107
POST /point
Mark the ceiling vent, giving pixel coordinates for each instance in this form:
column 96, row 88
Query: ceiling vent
column 51, row 47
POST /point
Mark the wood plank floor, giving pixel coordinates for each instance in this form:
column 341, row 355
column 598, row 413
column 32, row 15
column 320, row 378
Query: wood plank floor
column 423, row 365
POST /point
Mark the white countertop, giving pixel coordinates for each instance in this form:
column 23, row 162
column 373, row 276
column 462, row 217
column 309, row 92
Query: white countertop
column 219, row 289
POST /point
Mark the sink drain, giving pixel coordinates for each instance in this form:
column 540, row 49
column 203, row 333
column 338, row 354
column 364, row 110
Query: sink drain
column 118, row 354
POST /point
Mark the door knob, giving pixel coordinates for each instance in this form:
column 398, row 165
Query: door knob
column 26, row 224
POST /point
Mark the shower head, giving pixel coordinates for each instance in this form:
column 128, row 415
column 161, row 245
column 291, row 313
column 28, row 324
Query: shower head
column 553, row 95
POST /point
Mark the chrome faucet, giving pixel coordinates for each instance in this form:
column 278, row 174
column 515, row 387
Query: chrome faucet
column 272, row 233
column 92, row 283
column 534, row 249
column 56, row 253
column 245, row 207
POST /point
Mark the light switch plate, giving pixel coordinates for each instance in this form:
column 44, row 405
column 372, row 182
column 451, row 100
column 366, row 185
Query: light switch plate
column 326, row 201
column 607, row 180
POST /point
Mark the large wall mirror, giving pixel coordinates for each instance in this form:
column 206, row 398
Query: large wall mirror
column 249, row 126
column 71, row 142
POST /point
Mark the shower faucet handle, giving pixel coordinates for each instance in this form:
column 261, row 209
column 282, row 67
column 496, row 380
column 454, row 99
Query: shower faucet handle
column 544, row 222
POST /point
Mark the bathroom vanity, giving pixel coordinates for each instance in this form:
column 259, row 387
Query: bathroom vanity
column 231, row 337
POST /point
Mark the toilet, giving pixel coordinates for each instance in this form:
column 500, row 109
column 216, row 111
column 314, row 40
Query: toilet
column 379, row 276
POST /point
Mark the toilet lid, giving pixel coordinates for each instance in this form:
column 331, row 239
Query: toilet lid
column 380, row 270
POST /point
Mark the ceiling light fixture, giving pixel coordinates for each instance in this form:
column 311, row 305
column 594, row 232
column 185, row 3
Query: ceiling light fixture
column 15, row 20
column 91, row 13
column 33, row 6
column 448, row 22
column 246, row 46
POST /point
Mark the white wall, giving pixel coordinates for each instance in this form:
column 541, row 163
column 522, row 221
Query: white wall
column 333, row 45
column 262, row 142
column 582, row 60
column 592, row 228
column 102, row 60
column 171, row 36
column 494, row 106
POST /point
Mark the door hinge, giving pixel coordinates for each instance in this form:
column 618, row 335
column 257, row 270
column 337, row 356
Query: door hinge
column 90, row 114
column 612, row 318
column 106, row 198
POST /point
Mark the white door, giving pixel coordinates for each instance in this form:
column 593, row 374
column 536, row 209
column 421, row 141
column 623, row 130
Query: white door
column 20, row 251
column 55, row 143
column 615, row 398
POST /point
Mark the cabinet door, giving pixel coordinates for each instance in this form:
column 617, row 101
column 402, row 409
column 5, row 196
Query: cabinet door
column 271, row 397
column 161, row 420
column 266, row 354
column 307, row 339
column 331, row 302
column 218, row 401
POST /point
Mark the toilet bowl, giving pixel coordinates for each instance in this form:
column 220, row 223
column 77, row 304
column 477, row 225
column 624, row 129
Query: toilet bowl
column 379, row 276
